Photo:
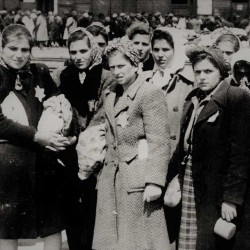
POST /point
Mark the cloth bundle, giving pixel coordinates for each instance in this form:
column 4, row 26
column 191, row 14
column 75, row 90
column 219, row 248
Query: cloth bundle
column 172, row 195
column 57, row 115
column 91, row 150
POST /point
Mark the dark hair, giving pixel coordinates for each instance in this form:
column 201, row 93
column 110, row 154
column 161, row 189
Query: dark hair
column 159, row 35
column 77, row 36
column 203, row 56
column 96, row 30
column 141, row 29
column 229, row 38
column 18, row 31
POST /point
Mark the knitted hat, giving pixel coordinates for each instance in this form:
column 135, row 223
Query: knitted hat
column 195, row 51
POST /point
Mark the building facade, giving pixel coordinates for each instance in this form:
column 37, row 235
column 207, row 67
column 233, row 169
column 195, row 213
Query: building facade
column 225, row 8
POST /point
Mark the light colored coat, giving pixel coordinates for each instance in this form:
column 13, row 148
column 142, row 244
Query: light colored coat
column 123, row 220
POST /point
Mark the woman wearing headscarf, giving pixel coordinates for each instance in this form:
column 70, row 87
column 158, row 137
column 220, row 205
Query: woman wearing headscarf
column 175, row 78
column 129, row 209
column 213, row 152
column 229, row 44
column 31, row 173
column 81, row 82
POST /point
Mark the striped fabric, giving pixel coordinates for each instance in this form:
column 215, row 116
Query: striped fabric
column 188, row 229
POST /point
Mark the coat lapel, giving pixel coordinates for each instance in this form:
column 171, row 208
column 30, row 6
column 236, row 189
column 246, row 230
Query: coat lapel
column 218, row 100
column 109, row 107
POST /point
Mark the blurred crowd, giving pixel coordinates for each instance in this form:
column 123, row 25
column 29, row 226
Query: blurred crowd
column 52, row 30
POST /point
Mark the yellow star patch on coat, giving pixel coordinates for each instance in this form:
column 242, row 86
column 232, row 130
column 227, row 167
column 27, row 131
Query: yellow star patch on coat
column 39, row 93
column 122, row 120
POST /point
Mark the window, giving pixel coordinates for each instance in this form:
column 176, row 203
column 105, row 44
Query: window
column 179, row 1
column 240, row 1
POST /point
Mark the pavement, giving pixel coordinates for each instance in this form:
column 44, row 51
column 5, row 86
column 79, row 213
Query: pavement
column 49, row 52
column 38, row 244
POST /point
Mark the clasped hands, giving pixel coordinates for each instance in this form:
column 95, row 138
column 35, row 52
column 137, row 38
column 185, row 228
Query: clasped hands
column 152, row 192
column 53, row 141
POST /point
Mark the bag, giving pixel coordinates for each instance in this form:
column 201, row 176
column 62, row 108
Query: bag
column 91, row 150
column 172, row 195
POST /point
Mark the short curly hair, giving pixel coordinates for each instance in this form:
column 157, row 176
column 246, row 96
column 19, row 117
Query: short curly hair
column 139, row 28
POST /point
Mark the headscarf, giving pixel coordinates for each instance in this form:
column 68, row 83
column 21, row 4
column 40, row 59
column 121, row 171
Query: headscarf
column 242, row 55
column 125, row 46
column 194, row 51
column 21, row 74
column 95, row 51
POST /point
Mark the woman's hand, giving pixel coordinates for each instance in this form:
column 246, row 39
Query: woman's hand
column 228, row 211
column 53, row 141
column 152, row 192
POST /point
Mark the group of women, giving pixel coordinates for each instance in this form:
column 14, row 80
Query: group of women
column 157, row 126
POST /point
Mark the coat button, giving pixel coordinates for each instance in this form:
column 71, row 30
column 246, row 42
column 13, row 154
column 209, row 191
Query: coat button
column 114, row 147
column 175, row 108
column 173, row 137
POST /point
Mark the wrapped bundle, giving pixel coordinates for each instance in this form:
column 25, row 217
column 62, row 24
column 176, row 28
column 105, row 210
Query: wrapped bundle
column 57, row 115
column 91, row 149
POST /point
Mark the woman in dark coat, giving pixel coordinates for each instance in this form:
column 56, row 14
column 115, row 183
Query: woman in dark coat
column 31, row 177
column 212, row 153
column 81, row 83
column 240, row 65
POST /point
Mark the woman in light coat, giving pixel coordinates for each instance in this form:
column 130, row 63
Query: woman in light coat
column 129, row 209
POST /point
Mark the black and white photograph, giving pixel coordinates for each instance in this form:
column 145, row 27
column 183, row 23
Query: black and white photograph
column 124, row 124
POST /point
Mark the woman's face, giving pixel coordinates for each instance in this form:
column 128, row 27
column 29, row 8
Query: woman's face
column 227, row 49
column 80, row 53
column 122, row 69
column 207, row 76
column 142, row 44
column 101, row 42
column 163, row 53
column 16, row 53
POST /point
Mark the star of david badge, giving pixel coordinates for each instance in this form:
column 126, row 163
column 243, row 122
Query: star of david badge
column 122, row 120
column 39, row 93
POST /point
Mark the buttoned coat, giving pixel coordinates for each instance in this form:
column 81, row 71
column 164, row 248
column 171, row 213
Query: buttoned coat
column 123, row 220
column 220, row 157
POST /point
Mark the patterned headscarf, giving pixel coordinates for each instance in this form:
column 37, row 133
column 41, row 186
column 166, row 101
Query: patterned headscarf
column 95, row 50
column 194, row 51
column 125, row 46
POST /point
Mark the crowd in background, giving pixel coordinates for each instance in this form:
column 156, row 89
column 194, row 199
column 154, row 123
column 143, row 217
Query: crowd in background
column 52, row 29
column 132, row 122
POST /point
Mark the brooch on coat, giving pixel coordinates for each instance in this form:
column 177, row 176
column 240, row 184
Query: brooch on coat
column 213, row 118
column 122, row 120
column 39, row 93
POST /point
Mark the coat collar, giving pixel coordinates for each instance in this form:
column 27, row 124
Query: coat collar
column 111, row 93
column 217, row 100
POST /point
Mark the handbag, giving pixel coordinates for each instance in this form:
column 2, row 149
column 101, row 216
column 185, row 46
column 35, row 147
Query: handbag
column 172, row 195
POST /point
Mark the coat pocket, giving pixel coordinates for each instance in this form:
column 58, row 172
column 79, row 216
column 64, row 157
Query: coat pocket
column 136, row 176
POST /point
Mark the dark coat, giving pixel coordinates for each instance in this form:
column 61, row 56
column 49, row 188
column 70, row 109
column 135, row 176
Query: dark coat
column 123, row 220
column 31, row 177
column 220, row 156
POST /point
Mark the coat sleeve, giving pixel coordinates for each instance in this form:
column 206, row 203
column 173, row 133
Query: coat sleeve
column 155, row 120
column 236, row 179
column 13, row 131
